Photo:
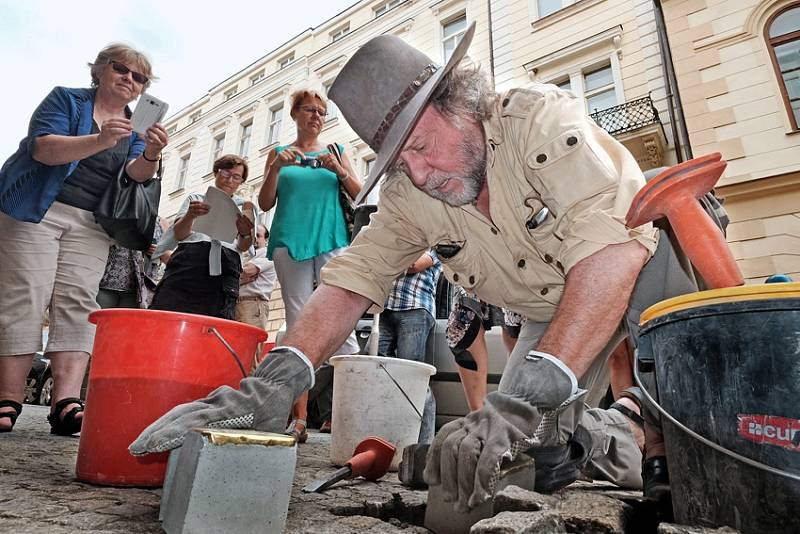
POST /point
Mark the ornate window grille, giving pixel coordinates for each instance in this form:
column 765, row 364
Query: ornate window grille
column 627, row 117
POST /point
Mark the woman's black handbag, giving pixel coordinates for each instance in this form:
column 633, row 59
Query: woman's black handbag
column 128, row 209
column 348, row 209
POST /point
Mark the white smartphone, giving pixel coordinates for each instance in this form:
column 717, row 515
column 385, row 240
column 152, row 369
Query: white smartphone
column 149, row 110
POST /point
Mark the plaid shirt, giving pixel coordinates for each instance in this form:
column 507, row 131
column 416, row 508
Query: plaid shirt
column 416, row 291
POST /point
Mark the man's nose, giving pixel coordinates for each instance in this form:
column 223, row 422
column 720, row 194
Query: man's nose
column 417, row 168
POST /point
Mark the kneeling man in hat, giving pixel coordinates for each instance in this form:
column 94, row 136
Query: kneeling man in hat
column 523, row 198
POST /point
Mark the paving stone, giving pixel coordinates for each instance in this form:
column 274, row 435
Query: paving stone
column 545, row 522
column 516, row 499
column 671, row 528
column 590, row 512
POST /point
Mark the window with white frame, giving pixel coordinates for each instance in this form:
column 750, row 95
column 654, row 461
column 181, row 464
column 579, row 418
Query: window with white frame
column 244, row 139
column 230, row 93
column 598, row 89
column 333, row 111
column 452, row 32
column 368, row 163
column 183, row 170
column 218, row 147
column 339, row 33
column 255, row 78
column 194, row 117
column 172, row 129
column 386, row 6
column 285, row 61
column 548, row 7
column 275, row 119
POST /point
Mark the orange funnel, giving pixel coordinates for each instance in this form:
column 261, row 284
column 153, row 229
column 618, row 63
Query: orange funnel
column 674, row 194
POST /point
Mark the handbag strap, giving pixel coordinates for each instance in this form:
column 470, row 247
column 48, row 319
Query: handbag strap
column 333, row 148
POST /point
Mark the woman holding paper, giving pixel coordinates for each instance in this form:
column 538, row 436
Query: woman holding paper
column 202, row 275
column 309, row 228
column 54, row 252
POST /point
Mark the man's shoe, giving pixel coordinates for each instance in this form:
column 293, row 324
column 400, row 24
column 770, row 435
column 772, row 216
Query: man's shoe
column 655, row 478
column 560, row 466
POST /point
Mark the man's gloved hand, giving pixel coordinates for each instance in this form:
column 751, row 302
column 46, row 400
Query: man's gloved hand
column 466, row 454
column 262, row 402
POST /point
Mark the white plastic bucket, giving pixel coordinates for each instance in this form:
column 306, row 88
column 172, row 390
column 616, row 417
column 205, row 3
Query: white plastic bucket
column 376, row 396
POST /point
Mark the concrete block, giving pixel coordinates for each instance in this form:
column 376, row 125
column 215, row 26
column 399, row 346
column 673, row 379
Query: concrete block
column 412, row 466
column 441, row 517
column 232, row 481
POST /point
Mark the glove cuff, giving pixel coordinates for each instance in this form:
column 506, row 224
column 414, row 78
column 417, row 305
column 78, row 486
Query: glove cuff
column 299, row 353
column 540, row 379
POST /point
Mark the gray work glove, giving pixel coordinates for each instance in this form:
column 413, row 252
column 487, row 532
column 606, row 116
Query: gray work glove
column 262, row 402
column 466, row 454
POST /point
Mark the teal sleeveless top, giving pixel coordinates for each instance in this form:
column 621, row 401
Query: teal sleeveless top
column 308, row 217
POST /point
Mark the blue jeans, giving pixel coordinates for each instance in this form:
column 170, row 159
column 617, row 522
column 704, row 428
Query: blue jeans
column 404, row 334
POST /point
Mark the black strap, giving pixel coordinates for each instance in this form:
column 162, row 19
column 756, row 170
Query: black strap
column 5, row 403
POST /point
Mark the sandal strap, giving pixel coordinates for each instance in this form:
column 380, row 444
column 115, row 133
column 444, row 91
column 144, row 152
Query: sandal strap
column 7, row 403
column 637, row 419
column 60, row 405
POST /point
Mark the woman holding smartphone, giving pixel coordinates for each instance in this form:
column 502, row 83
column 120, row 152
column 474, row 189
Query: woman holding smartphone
column 54, row 251
column 309, row 226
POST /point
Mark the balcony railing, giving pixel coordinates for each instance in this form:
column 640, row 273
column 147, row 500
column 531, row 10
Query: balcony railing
column 627, row 117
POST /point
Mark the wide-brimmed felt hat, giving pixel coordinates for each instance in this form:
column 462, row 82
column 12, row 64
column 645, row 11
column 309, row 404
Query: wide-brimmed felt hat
column 382, row 90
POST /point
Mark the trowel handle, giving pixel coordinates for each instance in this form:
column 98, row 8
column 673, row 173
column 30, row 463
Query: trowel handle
column 361, row 464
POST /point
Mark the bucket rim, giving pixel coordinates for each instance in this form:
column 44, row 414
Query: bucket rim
column 202, row 320
column 382, row 359
column 783, row 290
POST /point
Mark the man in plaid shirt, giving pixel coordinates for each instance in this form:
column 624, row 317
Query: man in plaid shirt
column 408, row 320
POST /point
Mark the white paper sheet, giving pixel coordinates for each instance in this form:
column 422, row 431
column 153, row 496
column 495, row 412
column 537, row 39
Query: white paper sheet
column 220, row 222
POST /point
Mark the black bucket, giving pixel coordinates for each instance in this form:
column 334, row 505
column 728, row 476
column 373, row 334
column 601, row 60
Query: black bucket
column 727, row 366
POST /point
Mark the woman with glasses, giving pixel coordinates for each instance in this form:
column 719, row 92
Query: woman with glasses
column 309, row 228
column 202, row 275
column 54, row 252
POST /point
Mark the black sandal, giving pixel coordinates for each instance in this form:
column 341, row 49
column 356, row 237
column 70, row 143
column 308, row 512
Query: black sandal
column 634, row 394
column 69, row 424
column 11, row 415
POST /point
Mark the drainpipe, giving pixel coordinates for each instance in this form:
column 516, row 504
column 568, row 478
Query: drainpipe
column 491, row 41
column 676, row 116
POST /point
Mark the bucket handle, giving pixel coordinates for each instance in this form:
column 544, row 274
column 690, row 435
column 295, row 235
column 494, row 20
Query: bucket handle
column 706, row 441
column 227, row 345
column 400, row 388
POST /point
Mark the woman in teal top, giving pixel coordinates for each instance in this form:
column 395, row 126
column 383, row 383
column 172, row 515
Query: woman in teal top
column 308, row 228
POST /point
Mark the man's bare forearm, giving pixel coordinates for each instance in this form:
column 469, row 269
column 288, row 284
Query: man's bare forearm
column 325, row 322
column 595, row 298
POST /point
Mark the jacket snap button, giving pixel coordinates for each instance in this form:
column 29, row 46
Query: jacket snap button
column 558, row 264
column 541, row 158
column 494, row 231
column 521, row 263
column 548, row 258
column 544, row 291
column 455, row 277
column 471, row 279
column 505, row 102
column 571, row 140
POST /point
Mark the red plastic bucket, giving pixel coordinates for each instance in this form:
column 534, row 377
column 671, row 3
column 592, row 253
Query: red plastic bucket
column 145, row 362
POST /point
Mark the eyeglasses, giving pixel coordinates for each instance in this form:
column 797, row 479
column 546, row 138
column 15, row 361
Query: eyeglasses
column 120, row 68
column 228, row 175
column 313, row 109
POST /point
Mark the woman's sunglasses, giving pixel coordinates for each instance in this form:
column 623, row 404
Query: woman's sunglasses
column 138, row 77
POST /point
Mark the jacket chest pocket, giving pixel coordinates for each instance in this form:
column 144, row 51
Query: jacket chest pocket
column 460, row 263
column 540, row 223
column 568, row 169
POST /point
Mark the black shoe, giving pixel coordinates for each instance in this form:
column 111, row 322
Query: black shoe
column 557, row 467
column 69, row 424
column 655, row 478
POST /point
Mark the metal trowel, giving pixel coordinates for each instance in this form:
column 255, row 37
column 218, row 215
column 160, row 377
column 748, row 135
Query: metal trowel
column 371, row 460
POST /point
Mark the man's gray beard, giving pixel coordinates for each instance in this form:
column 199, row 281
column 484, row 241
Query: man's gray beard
column 472, row 182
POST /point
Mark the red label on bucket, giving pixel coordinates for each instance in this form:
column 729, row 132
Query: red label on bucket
column 771, row 430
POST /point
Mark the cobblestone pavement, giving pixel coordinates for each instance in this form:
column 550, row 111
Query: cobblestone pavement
column 39, row 494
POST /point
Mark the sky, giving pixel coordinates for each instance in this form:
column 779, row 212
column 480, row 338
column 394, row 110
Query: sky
column 192, row 45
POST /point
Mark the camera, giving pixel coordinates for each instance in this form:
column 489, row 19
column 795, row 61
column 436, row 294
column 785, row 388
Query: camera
column 314, row 163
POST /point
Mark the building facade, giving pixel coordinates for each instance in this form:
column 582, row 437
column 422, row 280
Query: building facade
column 738, row 69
